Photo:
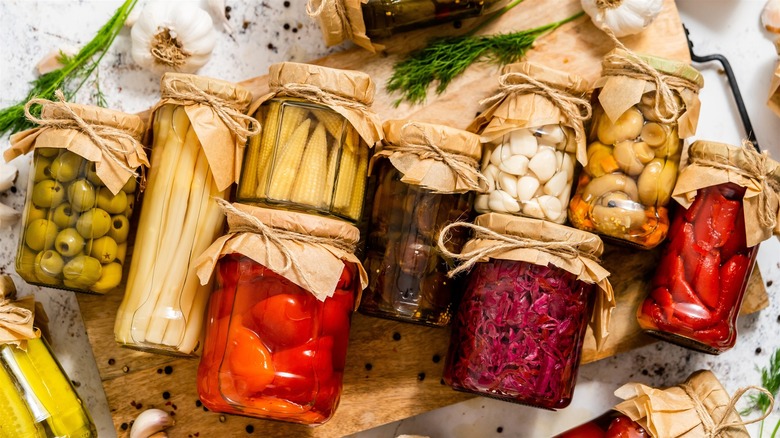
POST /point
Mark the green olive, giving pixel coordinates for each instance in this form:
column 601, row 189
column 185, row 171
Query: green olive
column 69, row 242
column 40, row 234
column 109, row 278
column 50, row 262
column 121, row 252
column 93, row 223
column 48, row 193
column 44, row 277
column 130, row 205
column 48, row 152
column 83, row 270
column 111, row 203
column 35, row 212
column 42, row 166
column 104, row 249
column 120, row 228
column 66, row 167
column 81, row 195
column 92, row 174
column 25, row 261
column 130, row 186
column 64, row 216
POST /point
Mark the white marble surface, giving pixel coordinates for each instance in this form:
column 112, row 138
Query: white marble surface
column 31, row 29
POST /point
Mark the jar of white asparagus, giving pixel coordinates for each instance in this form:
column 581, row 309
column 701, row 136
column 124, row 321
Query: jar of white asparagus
column 313, row 149
column 534, row 130
column 199, row 130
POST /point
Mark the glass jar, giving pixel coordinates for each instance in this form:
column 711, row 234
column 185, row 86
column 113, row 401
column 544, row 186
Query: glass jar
column 308, row 157
column 164, row 303
column 37, row 398
column 407, row 275
column 75, row 227
column 613, row 424
column 634, row 155
column 272, row 349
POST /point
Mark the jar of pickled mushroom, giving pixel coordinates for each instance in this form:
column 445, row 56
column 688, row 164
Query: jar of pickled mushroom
column 643, row 109
column 698, row 407
column 312, row 151
column 279, row 318
column 534, row 134
column 80, row 196
column 728, row 204
column 37, row 399
column 529, row 297
column 364, row 20
column 199, row 130
column 425, row 177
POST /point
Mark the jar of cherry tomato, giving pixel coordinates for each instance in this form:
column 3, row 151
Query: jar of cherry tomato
column 727, row 208
column 425, row 177
column 519, row 330
column 643, row 109
column 276, row 335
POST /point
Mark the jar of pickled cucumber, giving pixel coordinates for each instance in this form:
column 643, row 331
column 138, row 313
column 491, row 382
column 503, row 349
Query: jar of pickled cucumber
column 362, row 20
column 276, row 338
column 313, row 148
column 644, row 107
column 535, row 135
column 195, row 154
column 81, row 194
column 426, row 175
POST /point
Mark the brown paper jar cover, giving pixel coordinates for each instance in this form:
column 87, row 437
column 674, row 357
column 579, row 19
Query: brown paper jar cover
column 339, row 26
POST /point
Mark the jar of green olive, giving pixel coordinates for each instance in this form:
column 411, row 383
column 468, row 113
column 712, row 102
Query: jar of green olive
column 80, row 197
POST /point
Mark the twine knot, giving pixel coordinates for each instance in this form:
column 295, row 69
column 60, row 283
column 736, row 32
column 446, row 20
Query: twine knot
column 712, row 428
column 318, row 95
column 575, row 110
column 504, row 243
column 335, row 5
column 104, row 137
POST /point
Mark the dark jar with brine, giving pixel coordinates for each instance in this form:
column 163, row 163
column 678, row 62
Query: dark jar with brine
column 520, row 326
column 697, row 290
column 417, row 194
column 276, row 341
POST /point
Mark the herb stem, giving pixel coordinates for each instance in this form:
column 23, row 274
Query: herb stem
column 774, row 432
column 494, row 16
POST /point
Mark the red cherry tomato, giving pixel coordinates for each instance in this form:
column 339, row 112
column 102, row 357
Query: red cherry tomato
column 284, row 320
column 587, row 430
column 624, row 427
column 249, row 361
column 301, row 370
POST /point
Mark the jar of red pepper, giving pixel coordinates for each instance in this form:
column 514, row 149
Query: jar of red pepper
column 278, row 320
column 520, row 326
column 729, row 205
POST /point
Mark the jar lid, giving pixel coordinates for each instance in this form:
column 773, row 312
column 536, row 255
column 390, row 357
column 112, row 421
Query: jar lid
column 181, row 84
column 729, row 155
column 453, row 140
column 349, row 84
column 671, row 67
column 95, row 115
column 568, row 82
column 302, row 223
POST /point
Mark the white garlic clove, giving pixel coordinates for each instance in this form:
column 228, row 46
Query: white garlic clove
column 132, row 17
column 533, row 209
column 51, row 61
column 481, row 203
column 543, row 164
column 8, row 173
column 526, row 187
column 523, row 142
column 551, row 207
column 501, row 202
column 558, row 159
column 8, row 216
column 770, row 16
column 564, row 198
column 508, row 183
column 499, row 154
column 515, row 164
column 568, row 165
column 551, row 135
column 557, row 184
column 150, row 422
column 491, row 174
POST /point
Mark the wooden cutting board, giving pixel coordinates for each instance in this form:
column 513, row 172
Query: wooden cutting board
column 394, row 369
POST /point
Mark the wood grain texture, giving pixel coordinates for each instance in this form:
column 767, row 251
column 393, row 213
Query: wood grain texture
column 403, row 378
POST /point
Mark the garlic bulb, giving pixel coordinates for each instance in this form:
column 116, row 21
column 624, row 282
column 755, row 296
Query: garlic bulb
column 173, row 36
column 770, row 16
column 622, row 17
column 8, row 216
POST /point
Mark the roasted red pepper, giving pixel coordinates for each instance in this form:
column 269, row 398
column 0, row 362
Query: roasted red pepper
column 610, row 425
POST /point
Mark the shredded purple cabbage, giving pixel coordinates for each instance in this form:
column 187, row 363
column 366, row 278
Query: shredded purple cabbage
column 518, row 333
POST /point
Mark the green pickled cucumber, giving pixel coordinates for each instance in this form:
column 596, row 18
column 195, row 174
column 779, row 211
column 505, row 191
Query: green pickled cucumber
column 16, row 420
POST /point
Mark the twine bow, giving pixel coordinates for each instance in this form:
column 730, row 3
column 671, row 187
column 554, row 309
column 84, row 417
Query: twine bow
column 337, row 6
column 714, row 428
column 318, row 95
column 503, row 244
column 104, row 137
column 576, row 110
column 424, row 147
column 229, row 112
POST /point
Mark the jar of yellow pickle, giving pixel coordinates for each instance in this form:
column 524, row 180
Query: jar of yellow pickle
column 313, row 148
column 643, row 109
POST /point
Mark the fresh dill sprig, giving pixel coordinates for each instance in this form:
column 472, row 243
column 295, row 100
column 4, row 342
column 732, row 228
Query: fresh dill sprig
column 75, row 71
column 445, row 58
column 770, row 380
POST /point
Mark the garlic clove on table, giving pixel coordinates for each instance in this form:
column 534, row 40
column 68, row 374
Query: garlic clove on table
column 770, row 16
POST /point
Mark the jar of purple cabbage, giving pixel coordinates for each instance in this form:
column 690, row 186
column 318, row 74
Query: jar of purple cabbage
column 520, row 327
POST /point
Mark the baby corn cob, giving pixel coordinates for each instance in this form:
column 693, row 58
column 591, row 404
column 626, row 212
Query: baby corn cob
column 347, row 170
column 330, row 180
column 292, row 117
column 269, row 131
column 310, row 181
column 252, row 160
column 333, row 122
column 359, row 185
column 286, row 165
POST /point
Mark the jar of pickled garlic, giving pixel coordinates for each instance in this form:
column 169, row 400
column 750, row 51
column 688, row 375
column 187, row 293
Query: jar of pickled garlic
column 312, row 151
column 276, row 337
column 425, row 177
column 534, row 134
column 643, row 109
column 37, row 399
column 199, row 129
column 80, row 196
column 729, row 198
column 519, row 329
column 691, row 409
column 363, row 20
